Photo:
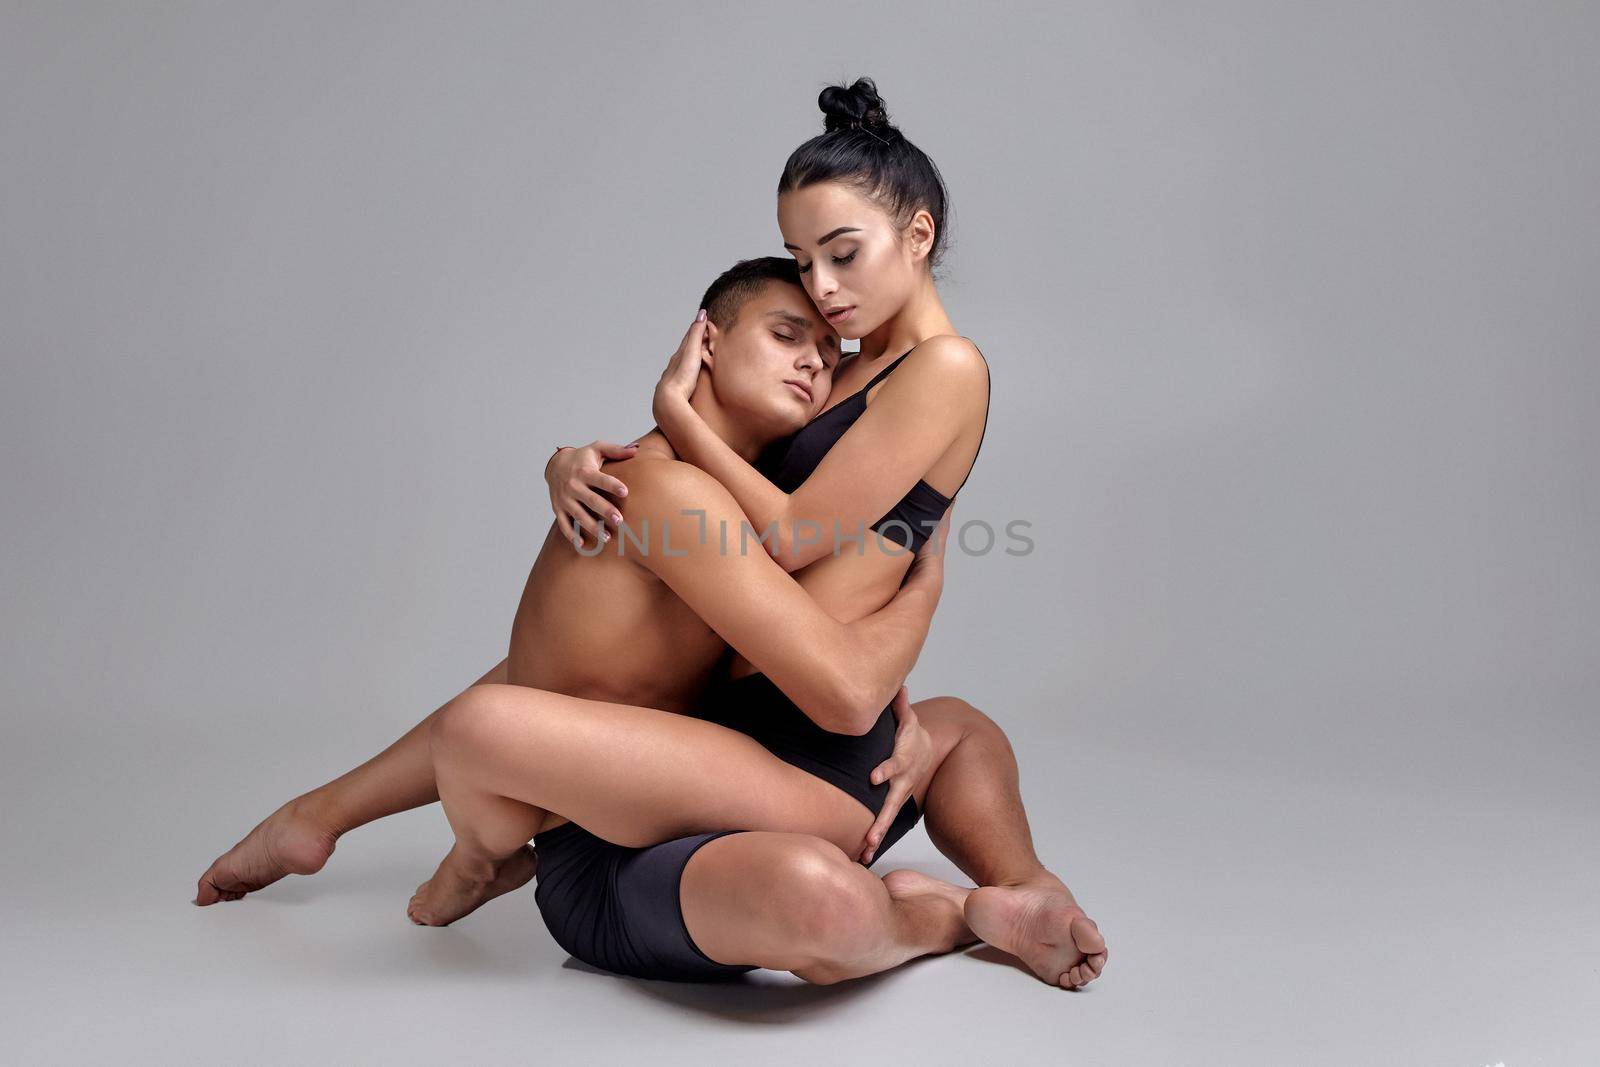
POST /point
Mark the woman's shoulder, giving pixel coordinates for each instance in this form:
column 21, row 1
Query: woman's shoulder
column 951, row 359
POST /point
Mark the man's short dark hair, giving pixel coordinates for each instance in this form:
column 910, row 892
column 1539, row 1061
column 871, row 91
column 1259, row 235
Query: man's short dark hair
column 742, row 281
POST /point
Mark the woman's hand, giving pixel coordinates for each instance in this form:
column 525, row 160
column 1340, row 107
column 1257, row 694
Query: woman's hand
column 905, row 767
column 576, row 483
column 678, row 381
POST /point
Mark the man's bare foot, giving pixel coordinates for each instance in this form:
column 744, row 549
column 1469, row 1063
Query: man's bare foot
column 461, row 886
column 1042, row 925
column 292, row 840
column 905, row 884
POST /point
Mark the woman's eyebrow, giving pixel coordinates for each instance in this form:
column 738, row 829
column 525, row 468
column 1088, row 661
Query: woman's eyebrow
column 829, row 237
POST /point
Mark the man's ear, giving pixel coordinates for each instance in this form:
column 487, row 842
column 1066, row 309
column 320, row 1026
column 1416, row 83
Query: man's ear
column 708, row 348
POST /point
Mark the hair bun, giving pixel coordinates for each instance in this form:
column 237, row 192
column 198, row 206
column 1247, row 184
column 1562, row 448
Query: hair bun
column 857, row 106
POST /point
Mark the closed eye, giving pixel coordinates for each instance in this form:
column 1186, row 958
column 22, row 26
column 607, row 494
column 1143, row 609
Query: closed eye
column 838, row 260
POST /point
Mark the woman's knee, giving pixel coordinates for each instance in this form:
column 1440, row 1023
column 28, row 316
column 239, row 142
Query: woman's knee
column 473, row 720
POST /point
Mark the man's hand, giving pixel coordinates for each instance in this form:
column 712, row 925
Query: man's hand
column 679, row 379
column 927, row 569
column 575, row 481
column 912, row 756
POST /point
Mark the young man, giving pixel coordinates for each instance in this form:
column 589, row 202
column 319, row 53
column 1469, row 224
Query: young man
column 832, row 920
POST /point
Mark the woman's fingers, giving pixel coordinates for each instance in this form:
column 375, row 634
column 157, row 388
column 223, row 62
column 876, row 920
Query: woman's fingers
column 599, row 505
column 688, row 354
column 693, row 347
column 608, row 450
column 587, row 476
column 698, row 326
column 564, row 524
column 607, row 484
column 682, row 373
column 574, row 518
column 688, row 348
column 593, row 529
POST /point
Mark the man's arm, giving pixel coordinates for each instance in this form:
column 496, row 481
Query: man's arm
column 841, row 675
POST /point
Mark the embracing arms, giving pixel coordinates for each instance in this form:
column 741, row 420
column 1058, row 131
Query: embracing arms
column 912, row 420
column 916, row 415
column 683, row 526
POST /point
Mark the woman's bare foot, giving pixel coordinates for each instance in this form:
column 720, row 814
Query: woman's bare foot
column 1042, row 925
column 460, row 886
column 292, row 840
column 905, row 884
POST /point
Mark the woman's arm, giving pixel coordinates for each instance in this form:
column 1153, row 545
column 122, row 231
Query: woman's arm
column 683, row 526
column 573, row 475
column 917, row 414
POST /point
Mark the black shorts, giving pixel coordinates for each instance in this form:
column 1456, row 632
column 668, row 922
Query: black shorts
column 618, row 908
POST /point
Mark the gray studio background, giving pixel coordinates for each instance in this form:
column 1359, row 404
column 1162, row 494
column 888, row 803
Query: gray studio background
column 1291, row 317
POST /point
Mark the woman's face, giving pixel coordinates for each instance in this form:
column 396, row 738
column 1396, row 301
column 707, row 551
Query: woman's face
column 857, row 268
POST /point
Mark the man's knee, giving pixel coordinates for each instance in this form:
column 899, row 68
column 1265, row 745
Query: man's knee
column 957, row 712
column 832, row 911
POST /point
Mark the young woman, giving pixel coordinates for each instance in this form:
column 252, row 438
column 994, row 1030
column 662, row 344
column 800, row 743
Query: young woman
column 863, row 211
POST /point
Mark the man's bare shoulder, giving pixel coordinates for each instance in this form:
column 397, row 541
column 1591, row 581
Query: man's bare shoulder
column 669, row 503
column 660, row 487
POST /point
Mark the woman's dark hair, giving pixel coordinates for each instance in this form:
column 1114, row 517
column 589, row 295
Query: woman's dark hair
column 861, row 148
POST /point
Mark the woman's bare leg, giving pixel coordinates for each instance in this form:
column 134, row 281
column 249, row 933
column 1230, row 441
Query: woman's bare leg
column 505, row 756
column 299, row 837
column 794, row 902
column 974, row 815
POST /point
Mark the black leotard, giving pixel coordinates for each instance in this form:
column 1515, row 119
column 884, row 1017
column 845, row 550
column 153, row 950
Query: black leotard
column 791, row 462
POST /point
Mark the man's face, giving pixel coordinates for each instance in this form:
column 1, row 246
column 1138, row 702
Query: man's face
column 774, row 365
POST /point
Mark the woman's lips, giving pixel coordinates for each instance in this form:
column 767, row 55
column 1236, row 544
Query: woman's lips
column 799, row 389
column 836, row 317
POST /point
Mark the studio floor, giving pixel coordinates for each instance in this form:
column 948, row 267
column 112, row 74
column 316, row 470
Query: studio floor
column 1285, row 918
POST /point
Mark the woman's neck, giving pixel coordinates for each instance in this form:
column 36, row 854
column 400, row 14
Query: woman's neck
column 920, row 318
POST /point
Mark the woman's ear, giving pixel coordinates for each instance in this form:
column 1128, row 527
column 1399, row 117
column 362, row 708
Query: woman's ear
column 919, row 232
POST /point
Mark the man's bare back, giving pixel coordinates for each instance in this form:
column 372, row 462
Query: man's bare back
column 603, row 626
column 599, row 625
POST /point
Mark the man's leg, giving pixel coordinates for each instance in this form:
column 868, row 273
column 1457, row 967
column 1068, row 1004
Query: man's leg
column 794, row 902
column 299, row 837
column 974, row 815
